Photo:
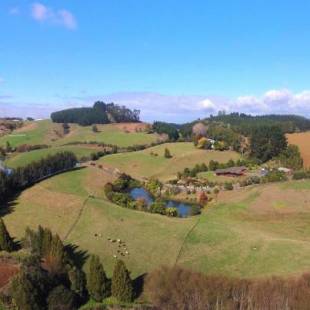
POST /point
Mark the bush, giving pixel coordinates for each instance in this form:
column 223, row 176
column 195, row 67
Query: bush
column 274, row 176
column 302, row 174
column 228, row 186
column 158, row 206
column 167, row 153
column 172, row 212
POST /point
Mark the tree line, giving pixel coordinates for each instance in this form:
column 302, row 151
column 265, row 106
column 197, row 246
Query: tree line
column 244, row 123
column 100, row 113
column 22, row 177
column 176, row 288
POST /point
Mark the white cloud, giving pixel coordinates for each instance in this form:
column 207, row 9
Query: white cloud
column 171, row 108
column 42, row 13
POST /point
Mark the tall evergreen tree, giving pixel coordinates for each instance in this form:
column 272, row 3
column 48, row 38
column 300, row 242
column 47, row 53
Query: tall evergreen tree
column 24, row 293
column 6, row 242
column 122, row 287
column 97, row 283
column 61, row 298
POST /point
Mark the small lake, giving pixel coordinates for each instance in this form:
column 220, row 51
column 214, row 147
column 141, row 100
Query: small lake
column 184, row 209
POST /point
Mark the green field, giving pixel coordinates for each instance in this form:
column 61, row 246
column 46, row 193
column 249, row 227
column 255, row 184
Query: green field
column 46, row 132
column 142, row 164
column 250, row 232
column 39, row 132
column 109, row 134
column 22, row 159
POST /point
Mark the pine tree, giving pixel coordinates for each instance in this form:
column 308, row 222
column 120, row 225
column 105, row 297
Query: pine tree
column 54, row 255
column 97, row 283
column 6, row 242
column 122, row 287
column 24, row 293
column 61, row 298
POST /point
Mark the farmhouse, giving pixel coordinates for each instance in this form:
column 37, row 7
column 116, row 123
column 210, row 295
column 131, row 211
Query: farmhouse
column 232, row 172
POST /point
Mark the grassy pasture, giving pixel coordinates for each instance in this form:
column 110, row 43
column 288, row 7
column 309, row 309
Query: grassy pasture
column 22, row 159
column 302, row 140
column 38, row 132
column 110, row 134
column 47, row 132
column 143, row 164
column 255, row 231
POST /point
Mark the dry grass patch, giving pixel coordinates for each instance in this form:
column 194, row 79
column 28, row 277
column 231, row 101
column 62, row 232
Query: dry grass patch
column 302, row 140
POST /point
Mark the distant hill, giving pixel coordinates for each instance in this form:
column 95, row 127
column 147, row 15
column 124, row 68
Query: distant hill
column 100, row 113
column 245, row 124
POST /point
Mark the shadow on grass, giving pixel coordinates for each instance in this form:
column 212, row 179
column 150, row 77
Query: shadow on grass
column 79, row 257
column 9, row 206
column 138, row 284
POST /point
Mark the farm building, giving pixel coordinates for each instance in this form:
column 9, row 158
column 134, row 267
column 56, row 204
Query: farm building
column 232, row 172
column 285, row 170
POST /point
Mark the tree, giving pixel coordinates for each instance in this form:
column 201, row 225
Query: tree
column 8, row 147
column 95, row 128
column 77, row 282
column 167, row 153
column 291, row 157
column 55, row 256
column 199, row 130
column 122, row 287
column 204, row 143
column 6, row 242
column 97, row 282
column 25, row 295
column 61, row 298
column 165, row 128
column 267, row 142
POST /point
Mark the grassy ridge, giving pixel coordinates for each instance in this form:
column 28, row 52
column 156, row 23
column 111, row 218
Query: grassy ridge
column 22, row 159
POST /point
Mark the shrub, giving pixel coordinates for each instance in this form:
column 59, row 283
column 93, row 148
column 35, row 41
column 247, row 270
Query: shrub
column 158, row 206
column 228, row 186
column 167, row 153
column 173, row 212
column 302, row 174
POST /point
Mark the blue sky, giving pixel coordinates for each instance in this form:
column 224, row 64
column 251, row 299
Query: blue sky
column 175, row 60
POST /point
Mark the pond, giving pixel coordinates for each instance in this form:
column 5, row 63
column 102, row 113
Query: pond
column 184, row 209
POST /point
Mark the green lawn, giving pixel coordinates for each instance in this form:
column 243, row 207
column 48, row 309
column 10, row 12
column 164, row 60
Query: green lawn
column 22, row 159
column 143, row 164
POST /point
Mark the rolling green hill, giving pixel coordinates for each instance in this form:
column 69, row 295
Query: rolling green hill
column 256, row 231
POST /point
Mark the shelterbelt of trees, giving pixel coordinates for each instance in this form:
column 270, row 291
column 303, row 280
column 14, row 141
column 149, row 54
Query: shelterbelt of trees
column 100, row 113
column 22, row 177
